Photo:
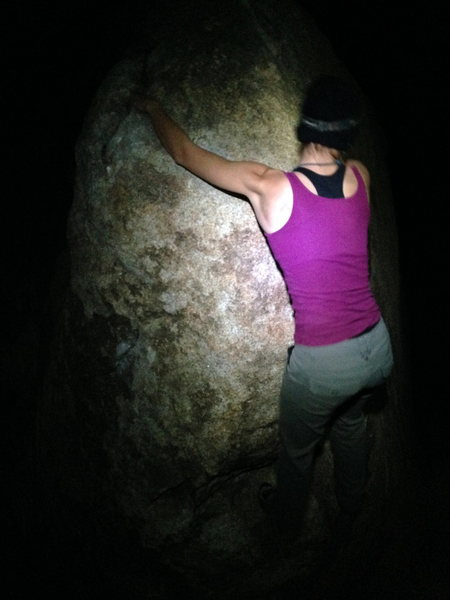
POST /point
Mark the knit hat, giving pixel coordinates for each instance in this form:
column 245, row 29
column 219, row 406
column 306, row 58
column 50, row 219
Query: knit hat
column 330, row 114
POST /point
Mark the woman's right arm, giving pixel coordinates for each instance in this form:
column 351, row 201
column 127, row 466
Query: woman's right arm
column 258, row 182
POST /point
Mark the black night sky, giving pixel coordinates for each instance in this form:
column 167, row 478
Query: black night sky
column 56, row 56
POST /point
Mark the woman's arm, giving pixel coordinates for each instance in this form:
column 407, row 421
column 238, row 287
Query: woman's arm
column 254, row 180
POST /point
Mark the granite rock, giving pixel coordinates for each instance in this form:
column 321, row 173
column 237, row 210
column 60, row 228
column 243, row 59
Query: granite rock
column 160, row 405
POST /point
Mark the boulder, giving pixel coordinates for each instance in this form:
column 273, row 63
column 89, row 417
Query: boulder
column 159, row 413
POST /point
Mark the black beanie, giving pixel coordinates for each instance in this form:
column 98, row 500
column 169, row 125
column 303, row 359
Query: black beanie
column 330, row 114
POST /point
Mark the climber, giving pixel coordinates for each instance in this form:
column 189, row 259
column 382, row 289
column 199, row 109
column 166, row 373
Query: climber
column 315, row 219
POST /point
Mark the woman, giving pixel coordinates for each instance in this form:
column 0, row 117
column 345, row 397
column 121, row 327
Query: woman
column 316, row 222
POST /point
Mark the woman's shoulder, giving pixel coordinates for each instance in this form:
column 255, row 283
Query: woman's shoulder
column 363, row 170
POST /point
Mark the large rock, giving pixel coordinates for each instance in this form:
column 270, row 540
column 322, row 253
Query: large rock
column 160, row 409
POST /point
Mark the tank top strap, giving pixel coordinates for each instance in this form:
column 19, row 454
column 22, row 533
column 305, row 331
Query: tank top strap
column 297, row 189
column 359, row 177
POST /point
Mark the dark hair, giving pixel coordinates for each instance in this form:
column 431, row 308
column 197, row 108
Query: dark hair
column 331, row 113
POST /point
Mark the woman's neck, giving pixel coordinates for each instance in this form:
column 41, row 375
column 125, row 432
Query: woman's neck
column 316, row 154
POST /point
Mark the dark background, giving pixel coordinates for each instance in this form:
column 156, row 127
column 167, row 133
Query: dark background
column 56, row 56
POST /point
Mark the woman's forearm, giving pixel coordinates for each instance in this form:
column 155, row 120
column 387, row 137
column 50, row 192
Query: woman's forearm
column 170, row 134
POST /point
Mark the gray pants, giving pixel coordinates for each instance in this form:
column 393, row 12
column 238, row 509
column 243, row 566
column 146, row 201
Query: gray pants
column 325, row 388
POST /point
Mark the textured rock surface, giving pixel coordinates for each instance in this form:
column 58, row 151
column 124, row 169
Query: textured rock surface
column 160, row 410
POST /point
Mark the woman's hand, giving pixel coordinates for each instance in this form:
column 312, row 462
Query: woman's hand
column 143, row 103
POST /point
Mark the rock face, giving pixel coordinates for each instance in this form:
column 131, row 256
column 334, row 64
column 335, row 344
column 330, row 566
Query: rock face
column 160, row 407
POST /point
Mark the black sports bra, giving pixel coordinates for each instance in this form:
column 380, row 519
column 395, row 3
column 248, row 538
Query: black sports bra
column 327, row 186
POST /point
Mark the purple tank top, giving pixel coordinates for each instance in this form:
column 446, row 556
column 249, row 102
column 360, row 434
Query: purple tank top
column 322, row 252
